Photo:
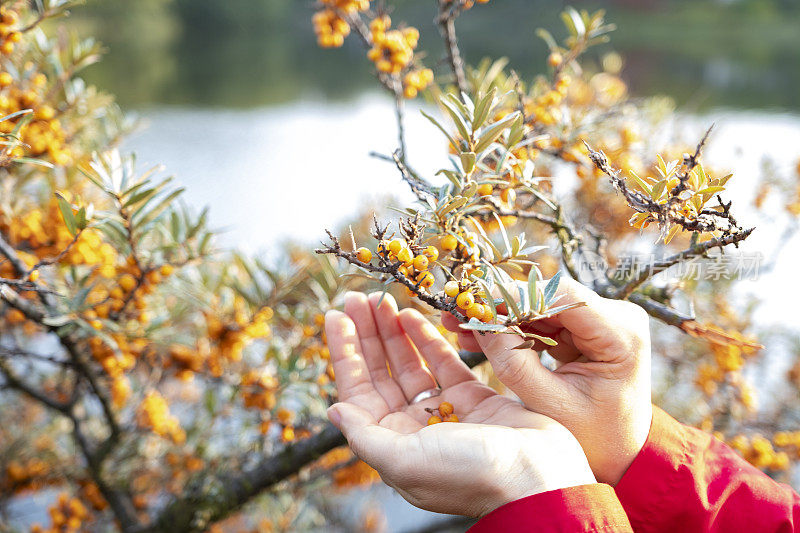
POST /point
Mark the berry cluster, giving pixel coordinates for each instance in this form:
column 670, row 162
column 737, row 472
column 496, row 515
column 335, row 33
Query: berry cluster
column 67, row 515
column 330, row 24
column 467, row 298
column 443, row 413
column 154, row 413
column 8, row 35
column 392, row 50
column 22, row 473
column 415, row 260
column 330, row 28
column 415, row 81
column 759, row 451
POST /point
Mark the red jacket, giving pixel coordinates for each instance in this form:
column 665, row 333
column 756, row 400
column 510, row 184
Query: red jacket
column 683, row 480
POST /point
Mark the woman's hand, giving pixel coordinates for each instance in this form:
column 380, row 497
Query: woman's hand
column 601, row 388
column 498, row 453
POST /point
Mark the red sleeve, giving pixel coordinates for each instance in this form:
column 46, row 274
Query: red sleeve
column 686, row 480
column 575, row 509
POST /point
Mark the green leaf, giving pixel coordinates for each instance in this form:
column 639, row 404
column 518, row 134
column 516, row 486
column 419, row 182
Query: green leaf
column 547, row 340
column 467, row 161
column 509, row 301
column 489, row 298
column 491, row 133
column 551, row 288
column 482, row 109
column 33, row 161
column 66, row 212
column 458, row 120
column 476, row 325
column 533, row 295
column 441, row 128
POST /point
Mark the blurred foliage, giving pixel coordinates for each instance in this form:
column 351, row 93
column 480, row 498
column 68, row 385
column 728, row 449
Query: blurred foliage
column 244, row 53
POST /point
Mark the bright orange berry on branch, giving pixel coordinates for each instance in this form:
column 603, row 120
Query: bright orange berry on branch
column 364, row 255
column 451, row 289
column 396, row 245
column 405, row 256
column 425, row 279
column 465, row 300
column 449, row 243
column 432, row 253
column 420, row 262
column 554, row 59
column 485, row 189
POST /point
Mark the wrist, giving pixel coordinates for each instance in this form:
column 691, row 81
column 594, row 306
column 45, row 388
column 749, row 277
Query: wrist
column 632, row 441
column 534, row 474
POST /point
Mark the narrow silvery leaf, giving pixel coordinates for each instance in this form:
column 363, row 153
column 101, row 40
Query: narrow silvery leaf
column 551, row 288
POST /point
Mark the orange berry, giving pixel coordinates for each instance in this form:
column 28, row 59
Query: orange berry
column 420, row 262
column 485, row 189
column 554, row 59
column 451, row 289
column 96, row 324
column 446, row 408
column 127, row 282
column 364, row 255
column 383, row 247
column 396, row 245
column 6, row 79
column 434, row 420
column 449, row 243
column 451, row 418
column 465, row 300
column 509, row 196
column 425, row 279
column 405, row 256
column 33, row 276
column 166, row 270
column 432, row 253
column 474, row 311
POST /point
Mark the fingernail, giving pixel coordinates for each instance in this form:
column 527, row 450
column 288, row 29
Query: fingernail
column 334, row 416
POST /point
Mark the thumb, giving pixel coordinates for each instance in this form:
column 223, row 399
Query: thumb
column 369, row 441
column 518, row 369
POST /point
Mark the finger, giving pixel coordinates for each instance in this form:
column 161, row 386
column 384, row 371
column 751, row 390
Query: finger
column 563, row 352
column 353, row 382
column 451, row 323
column 402, row 422
column 405, row 362
column 596, row 328
column 447, row 367
column 466, row 339
column 520, row 370
column 357, row 307
column 376, row 445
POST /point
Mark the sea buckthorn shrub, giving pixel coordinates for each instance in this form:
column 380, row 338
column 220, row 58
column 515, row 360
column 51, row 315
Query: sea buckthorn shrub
column 150, row 380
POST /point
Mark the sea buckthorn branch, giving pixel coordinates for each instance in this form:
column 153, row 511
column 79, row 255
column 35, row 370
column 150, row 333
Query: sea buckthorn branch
column 448, row 11
column 418, row 186
column 393, row 268
column 15, row 382
column 697, row 249
column 674, row 207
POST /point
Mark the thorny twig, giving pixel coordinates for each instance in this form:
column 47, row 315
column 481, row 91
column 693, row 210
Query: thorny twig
column 448, row 11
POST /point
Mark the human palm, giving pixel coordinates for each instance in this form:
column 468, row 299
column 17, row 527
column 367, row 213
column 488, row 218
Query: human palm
column 382, row 360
